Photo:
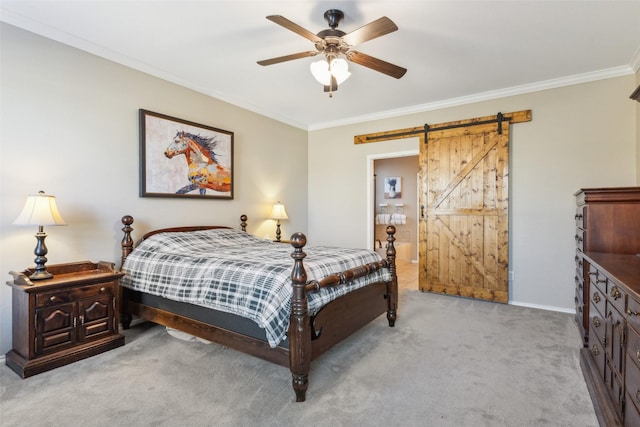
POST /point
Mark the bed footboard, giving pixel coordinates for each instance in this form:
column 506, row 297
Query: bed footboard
column 300, row 326
column 346, row 314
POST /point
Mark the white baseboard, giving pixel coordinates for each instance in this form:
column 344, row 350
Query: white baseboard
column 544, row 307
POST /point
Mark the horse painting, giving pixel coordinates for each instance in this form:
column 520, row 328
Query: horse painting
column 205, row 171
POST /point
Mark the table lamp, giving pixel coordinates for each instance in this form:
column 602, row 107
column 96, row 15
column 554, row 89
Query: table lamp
column 40, row 210
column 278, row 212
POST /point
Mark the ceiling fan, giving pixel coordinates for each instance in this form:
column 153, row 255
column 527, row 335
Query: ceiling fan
column 336, row 46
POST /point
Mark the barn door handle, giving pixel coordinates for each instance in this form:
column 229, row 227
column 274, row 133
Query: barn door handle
column 421, row 211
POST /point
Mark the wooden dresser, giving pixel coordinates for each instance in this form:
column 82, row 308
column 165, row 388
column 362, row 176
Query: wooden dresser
column 608, row 300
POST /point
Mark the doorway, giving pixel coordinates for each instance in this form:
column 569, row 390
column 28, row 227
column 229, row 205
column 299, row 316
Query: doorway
column 393, row 200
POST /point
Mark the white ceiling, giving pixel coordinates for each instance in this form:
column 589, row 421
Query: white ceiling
column 455, row 51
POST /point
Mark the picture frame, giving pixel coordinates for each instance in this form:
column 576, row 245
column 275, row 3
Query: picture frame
column 184, row 159
column 393, row 187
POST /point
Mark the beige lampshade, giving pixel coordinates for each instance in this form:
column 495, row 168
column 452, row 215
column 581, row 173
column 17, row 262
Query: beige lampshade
column 279, row 212
column 40, row 209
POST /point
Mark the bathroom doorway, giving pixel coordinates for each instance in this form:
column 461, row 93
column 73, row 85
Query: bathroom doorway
column 394, row 201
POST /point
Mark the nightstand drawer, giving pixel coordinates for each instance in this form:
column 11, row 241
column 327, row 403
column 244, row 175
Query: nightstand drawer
column 51, row 298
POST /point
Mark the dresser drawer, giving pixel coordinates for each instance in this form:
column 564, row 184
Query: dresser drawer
column 599, row 358
column 579, row 263
column 579, row 238
column 617, row 393
column 633, row 313
column 597, row 279
column 631, row 412
column 581, row 211
column 46, row 299
column 615, row 347
column 632, row 382
column 597, row 326
column 633, row 345
column 617, row 296
column 579, row 285
column 597, row 300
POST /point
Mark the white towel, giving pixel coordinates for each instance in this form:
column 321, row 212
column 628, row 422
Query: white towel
column 382, row 219
column 398, row 219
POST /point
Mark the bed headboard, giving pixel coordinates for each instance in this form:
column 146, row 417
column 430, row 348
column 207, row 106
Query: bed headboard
column 127, row 241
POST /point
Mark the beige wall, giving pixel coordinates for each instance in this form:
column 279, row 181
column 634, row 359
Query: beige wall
column 580, row 136
column 70, row 128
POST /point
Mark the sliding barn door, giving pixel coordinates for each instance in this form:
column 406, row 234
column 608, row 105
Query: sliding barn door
column 464, row 217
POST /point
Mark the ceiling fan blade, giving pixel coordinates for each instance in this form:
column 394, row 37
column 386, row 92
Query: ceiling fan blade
column 281, row 20
column 372, row 30
column 287, row 58
column 376, row 64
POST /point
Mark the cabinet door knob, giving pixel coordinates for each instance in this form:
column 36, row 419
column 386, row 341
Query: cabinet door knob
column 596, row 297
column 595, row 350
column 53, row 299
column 103, row 289
column 632, row 313
column 595, row 322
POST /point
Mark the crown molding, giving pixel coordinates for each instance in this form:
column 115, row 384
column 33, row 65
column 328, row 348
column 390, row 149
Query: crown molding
column 484, row 96
column 635, row 61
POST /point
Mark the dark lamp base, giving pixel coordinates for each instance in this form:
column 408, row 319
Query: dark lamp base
column 41, row 275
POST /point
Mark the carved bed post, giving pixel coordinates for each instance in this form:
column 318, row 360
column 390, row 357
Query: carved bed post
column 299, row 328
column 127, row 247
column 127, row 241
column 392, row 288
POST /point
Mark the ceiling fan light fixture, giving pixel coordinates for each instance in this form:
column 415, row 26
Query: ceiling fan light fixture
column 340, row 70
column 322, row 73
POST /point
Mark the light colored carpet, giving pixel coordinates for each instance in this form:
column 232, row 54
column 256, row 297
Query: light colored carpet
column 448, row 362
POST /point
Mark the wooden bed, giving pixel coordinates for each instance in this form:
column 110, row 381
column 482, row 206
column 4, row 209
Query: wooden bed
column 308, row 336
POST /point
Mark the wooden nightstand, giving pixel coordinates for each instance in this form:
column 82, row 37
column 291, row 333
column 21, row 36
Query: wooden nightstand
column 64, row 319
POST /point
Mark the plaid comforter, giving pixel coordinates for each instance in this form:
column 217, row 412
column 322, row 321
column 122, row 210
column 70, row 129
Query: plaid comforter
column 235, row 272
